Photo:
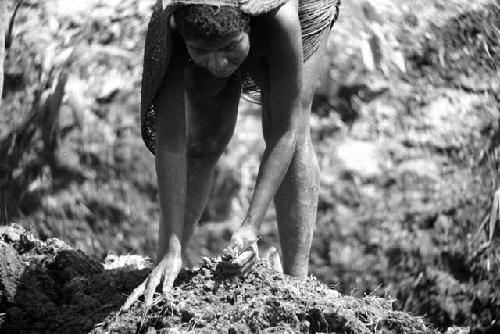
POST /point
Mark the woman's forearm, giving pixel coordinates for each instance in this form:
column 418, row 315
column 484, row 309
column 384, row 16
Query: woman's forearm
column 273, row 167
column 170, row 157
column 284, row 97
column 171, row 169
column 171, row 176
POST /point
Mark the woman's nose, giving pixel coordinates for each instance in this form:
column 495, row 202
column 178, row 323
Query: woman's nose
column 217, row 61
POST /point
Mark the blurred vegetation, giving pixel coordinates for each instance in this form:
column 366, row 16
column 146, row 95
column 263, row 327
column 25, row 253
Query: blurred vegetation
column 405, row 125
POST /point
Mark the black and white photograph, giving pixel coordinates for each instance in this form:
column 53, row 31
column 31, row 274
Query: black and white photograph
column 249, row 166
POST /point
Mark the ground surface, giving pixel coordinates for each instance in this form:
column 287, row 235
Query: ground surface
column 48, row 287
column 405, row 127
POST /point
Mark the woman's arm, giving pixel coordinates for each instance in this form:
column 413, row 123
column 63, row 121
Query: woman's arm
column 285, row 78
column 285, row 84
column 170, row 162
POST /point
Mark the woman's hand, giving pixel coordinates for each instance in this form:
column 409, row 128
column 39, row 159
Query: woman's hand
column 242, row 253
column 166, row 271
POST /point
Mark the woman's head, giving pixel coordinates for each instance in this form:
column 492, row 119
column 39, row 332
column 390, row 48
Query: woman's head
column 217, row 37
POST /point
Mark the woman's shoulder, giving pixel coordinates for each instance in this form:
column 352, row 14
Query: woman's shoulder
column 284, row 17
column 282, row 23
column 275, row 33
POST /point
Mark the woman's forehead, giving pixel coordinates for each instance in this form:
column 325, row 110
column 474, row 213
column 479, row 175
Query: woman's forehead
column 215, row 44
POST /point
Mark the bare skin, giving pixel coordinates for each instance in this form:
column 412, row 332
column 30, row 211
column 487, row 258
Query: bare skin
column 197, row 108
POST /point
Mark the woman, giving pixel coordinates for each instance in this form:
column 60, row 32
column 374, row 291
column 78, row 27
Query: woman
column 199, row 57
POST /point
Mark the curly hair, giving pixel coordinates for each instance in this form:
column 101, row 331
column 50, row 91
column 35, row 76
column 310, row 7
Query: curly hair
column 208, row 22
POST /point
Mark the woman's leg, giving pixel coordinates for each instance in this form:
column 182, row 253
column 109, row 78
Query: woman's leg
column 297, row 198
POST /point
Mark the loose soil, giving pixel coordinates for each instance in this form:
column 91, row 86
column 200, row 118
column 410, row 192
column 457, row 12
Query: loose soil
column 48, row 287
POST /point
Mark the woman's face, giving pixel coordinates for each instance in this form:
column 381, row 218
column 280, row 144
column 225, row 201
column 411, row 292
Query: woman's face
column 221, row 57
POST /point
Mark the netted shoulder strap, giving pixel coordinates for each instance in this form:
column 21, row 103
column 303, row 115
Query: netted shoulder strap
column 259, row 7
column 157, row 55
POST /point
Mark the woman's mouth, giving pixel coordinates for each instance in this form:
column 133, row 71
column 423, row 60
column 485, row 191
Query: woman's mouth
column 223, row 73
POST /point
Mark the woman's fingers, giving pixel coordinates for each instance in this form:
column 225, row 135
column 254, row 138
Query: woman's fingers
column 246, row 259
column 154, row 281
column 166, row 271
column 241, row 270
column 134, row 296
column 167, row 286
column 170, row 274
column 242, row 264
column 237, row 243
column 235, row 246
column 241, row 260
column 275, row 260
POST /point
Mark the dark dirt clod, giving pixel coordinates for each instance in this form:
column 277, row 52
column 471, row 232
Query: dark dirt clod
column 48, row 287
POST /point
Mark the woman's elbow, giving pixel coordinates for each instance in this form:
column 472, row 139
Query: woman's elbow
column 170, row 140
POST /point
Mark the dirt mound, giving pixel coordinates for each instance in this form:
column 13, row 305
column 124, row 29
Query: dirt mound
column 48, row 287
column 264, row 299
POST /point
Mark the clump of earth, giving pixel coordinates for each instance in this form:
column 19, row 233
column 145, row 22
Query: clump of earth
column 48, row 287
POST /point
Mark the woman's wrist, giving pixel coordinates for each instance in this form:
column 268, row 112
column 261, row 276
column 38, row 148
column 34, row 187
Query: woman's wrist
column 251, row 227
column 170, row 245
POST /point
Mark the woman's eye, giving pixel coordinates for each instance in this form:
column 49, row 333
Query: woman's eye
column 199, row 51
column 231, row 47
